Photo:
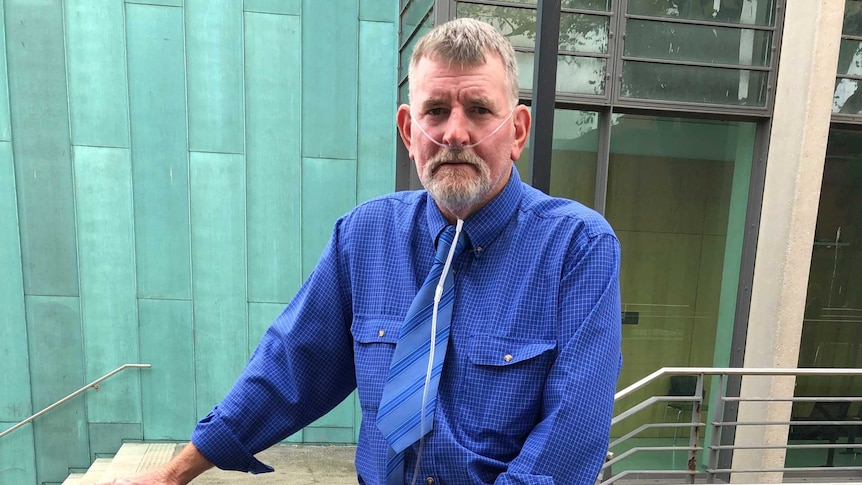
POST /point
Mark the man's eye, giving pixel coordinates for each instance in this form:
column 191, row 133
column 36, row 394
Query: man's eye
column 481, row 110
column 435, row 111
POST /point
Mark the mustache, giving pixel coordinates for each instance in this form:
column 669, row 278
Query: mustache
column 449, row 155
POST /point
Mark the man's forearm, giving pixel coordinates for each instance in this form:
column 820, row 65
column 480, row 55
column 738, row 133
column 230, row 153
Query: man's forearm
column 187, row 465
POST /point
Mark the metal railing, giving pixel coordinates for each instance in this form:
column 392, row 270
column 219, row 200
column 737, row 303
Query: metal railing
column 708, row 468
column 93, row 385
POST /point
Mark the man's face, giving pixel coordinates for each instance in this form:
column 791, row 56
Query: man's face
column 461, row 106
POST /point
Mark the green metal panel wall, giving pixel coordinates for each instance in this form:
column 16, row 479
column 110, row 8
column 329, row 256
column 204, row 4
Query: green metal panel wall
column 169, row 173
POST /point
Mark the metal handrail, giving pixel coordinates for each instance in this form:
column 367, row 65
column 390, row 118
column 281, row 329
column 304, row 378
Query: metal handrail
column 93, row 385
column 697, row 425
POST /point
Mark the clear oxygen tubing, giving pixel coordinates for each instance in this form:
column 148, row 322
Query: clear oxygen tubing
column 461, row 147
column 438, row 294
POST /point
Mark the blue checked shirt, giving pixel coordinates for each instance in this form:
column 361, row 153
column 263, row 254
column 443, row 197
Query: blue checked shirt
column 528, row 382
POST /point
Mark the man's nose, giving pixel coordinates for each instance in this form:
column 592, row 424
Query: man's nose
column 456, row 132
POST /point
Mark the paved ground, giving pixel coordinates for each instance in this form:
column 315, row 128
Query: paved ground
column 294, row 465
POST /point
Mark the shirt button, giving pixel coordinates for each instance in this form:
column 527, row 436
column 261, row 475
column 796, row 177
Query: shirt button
column 429, row 480
column 381, row 332
column 508, row 358
column 479, row 249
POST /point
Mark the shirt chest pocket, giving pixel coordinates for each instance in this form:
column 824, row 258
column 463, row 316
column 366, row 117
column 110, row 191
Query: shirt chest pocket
column 374, row 342
column 502, row 386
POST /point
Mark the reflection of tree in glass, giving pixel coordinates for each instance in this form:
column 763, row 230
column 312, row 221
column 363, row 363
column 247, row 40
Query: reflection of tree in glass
column 588, row 34
column 847, row 98
column 718, row 45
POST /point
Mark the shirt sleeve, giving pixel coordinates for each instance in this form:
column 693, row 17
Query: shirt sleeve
column 569, row 444
column 301, row 369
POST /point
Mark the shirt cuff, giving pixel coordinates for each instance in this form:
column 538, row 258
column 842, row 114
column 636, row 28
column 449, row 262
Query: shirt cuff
column 217, row 442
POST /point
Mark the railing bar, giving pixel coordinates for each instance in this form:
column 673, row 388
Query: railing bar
column 735, row 371
column 792, row 399
column 796, row 423
column 779, row 447
column 75, row 394
column 800, row 469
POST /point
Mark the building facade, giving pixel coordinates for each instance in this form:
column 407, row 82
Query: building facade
column 170, row 171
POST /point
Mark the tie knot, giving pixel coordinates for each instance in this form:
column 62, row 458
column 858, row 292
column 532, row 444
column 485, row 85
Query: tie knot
column 444, row 242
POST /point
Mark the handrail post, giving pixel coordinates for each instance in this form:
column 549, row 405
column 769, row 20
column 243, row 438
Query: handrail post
column 717, row 427
column 694, row 433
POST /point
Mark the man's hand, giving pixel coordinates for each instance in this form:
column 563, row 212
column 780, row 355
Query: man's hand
column 179, row 471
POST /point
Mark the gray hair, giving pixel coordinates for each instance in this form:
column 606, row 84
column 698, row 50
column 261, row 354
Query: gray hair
column 467, row 42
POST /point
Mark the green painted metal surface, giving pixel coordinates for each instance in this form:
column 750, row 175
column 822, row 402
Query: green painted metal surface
column 322, row 205
column 5, row 120
column 15, row 385
column 18, row 460
column 96, row 62
column 169, row 173
column 274, row 167
column 157, row 89
column 103, row 194
column 37, row 78
column 377, row 106
column 287, row 7
column 167, row 342
column 56, row 358
column 214, row 59
column 218, row 273
column 375, row 10
column 329, row 79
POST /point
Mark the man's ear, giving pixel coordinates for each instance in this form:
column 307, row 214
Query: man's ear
column 522, row 120
column 405, row 126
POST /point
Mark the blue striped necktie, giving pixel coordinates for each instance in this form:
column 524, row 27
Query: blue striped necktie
column 398, row 417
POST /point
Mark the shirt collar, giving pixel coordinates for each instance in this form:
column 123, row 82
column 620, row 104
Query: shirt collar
column 483, row 227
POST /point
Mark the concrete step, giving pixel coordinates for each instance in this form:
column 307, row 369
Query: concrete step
column 132, row 458
column 73, row 479
column 94, row 473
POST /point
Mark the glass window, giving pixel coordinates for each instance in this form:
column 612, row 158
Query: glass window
column 728, row 11
column 832, row 328
column 406, row 51
column 847, row 98
column 579, row 75
column 682, row 42
column 694, row 84
column 850, row 57
column 578, row 32
column 573, row 159
column 852, row 18
column 676, row 197
column 600, row 5
column 414, row 14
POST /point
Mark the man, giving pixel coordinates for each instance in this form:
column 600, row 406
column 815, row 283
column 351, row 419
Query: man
column 531, row 356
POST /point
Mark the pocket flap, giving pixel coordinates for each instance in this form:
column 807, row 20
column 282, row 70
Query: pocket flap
column 503, row 351
column 375, row 330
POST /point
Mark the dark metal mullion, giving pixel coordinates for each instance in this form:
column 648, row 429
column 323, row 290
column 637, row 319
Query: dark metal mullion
column 853, row 77
column 774, row 56
column 526, row 6
column 704, row 23
column 603, row 156
column 544, row 92
column 735, row 67
column 851, row 121
column 591, row 55
column 616, row 48
column 856, row 38
column 692, row 110
column 444, row 11
column 746, row 281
